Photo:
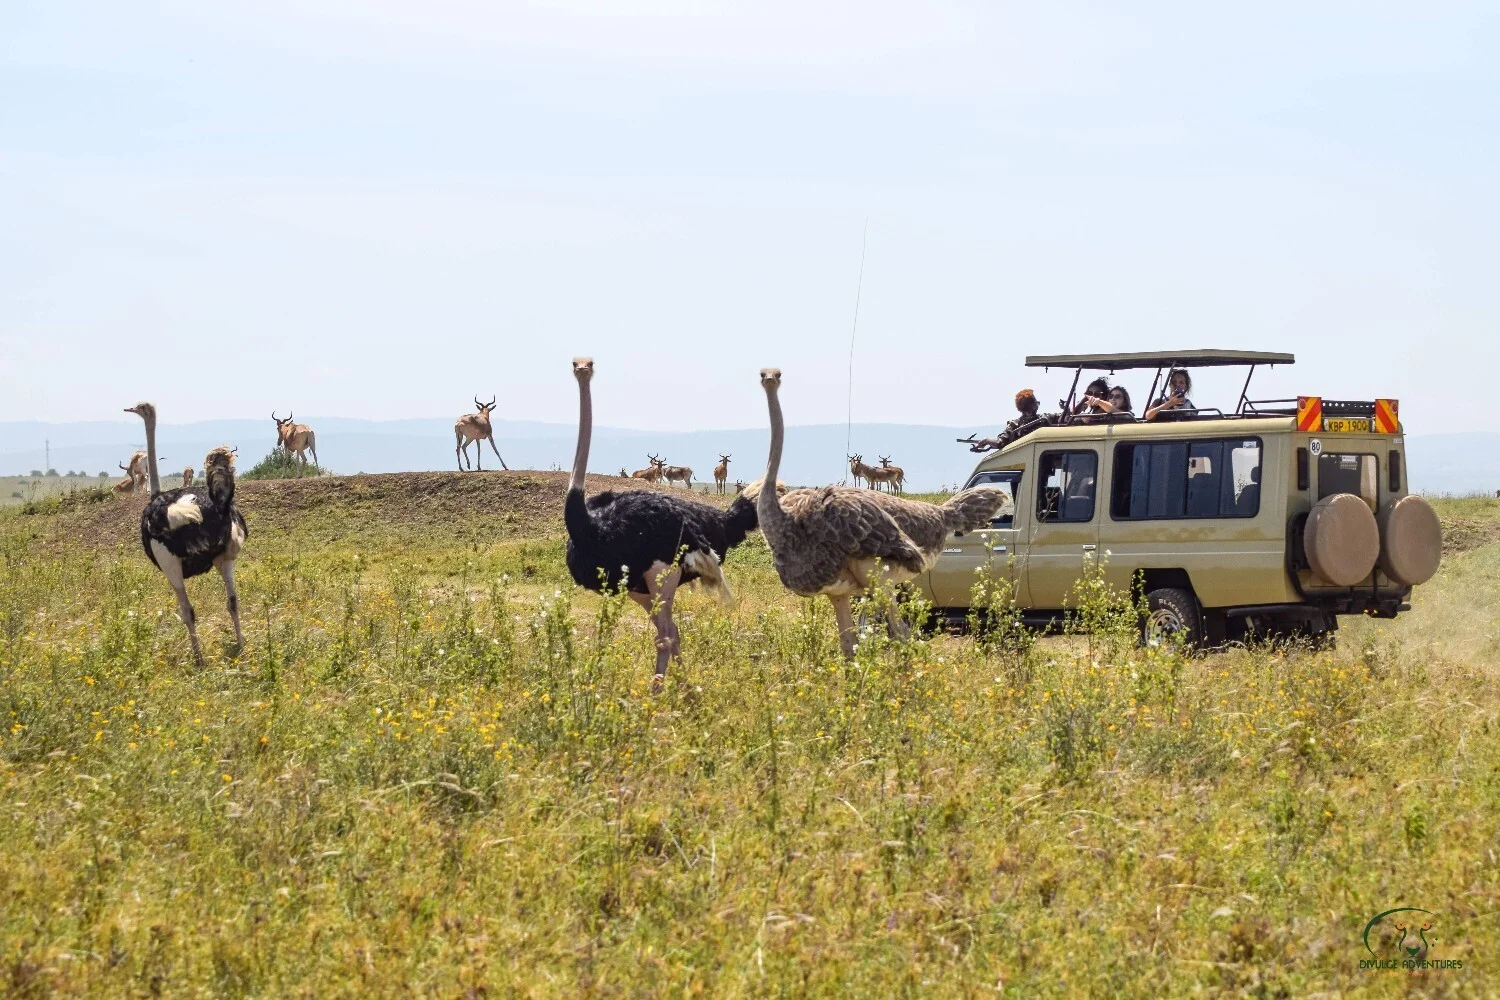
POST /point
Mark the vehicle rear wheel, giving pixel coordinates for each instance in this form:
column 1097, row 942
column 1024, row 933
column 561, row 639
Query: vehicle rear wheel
column 1172, row 616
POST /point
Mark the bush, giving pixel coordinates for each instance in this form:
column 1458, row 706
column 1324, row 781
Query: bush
column 279, row 464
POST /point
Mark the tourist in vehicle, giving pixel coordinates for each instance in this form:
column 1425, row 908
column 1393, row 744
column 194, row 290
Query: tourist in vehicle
column 1089, row 403
column 1114, row 406
column 1173, row 403
column 1248, row 502
column 1028, row 406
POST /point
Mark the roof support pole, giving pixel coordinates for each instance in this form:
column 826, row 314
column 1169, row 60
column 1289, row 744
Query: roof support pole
column 1067, row 414
column 1245, row 391
column 1151, row 396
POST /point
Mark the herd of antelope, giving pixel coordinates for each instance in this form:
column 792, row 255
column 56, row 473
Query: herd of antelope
column 893, row 477
column 890, row 477
column 297, row 440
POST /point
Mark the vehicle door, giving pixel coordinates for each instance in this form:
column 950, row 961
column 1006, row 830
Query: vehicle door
column 996, row 549
column 1064, row 522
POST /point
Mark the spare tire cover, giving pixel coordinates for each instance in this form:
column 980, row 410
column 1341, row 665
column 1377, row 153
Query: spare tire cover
column 1342, row 539
column 1411, row 541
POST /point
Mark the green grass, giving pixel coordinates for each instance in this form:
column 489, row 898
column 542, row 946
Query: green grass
column 435, row 769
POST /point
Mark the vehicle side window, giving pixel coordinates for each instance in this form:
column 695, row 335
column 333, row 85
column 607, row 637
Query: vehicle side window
column 1217, row 477
column 1066, row 485
column 1008, row 480
column 1357, row 474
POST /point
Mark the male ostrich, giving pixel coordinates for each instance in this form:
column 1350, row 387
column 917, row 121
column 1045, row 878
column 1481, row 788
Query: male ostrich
column 188, row 531
column 650, row 541
column 830, row 540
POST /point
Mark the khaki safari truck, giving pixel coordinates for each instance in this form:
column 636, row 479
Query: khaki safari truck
column 1267, row 521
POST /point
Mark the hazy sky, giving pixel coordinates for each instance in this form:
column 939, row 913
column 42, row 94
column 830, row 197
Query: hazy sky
column 378, row 208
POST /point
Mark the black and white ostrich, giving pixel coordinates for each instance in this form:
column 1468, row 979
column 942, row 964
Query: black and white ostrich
column 651, row 542
column 188, row 531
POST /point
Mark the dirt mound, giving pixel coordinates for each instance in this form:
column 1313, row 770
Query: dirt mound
column 467, row 506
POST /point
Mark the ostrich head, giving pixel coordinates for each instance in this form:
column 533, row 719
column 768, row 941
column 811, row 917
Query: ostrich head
column 770, row 378
column 583, row 369
column 220, row 460
column 146, row 411
column 752, row 491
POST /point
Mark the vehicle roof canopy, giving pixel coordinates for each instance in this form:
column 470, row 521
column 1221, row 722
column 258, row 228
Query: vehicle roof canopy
column 1159, row 359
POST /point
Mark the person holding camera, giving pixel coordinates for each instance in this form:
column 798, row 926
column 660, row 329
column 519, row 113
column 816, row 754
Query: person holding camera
column 1173, row 403
column 1089, row 402
column 1115, row 405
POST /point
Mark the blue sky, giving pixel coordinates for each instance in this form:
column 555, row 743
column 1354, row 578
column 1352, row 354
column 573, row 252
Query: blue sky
column 380, row 209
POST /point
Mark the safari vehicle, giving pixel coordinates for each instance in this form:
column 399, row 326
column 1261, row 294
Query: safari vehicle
column 1270, row 520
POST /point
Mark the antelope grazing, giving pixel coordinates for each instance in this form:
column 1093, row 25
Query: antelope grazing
column 651, row 473
column 721, row 472
column 297, row 439
column 860, row 470
column 187, row 476
column 124, row 486
column 895, row 475
column 676, row 473
column 476, row 427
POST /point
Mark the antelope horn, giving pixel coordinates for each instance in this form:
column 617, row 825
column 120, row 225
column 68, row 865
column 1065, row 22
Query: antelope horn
column 275, row 417
column 491, row 402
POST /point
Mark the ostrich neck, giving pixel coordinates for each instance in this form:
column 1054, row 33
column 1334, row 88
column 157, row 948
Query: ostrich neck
column 585, row 430
column 767, row 503
column 153, row 478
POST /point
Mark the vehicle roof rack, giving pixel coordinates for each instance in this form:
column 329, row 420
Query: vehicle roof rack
column 1159, row 359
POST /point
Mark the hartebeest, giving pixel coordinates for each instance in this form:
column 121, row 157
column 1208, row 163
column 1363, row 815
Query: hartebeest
column 860, row 470
column 721, row 472
column 136, row 470
column 473, row 427
column 187, row 476
column 296, row 439
column 676, row 473
column 895, row 475
column 651, row 473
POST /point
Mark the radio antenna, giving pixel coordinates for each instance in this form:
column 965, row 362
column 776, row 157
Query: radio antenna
column 859, row 288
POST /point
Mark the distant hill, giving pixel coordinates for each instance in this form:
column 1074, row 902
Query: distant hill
column 1467, row 462
column 814, row 454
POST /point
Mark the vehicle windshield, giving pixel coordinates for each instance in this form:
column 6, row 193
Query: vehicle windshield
column 1008, row 480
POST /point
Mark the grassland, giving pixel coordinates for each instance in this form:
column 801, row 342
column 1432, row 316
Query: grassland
column 435, row 770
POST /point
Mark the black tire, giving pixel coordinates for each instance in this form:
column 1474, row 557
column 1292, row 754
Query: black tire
column 1172, row 615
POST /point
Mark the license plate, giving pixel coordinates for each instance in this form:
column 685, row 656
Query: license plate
column 1347, row 425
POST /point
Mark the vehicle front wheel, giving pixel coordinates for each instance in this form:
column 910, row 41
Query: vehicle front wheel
column 1172, row 616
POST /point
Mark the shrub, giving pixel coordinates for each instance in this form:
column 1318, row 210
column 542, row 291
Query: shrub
column 279, row 464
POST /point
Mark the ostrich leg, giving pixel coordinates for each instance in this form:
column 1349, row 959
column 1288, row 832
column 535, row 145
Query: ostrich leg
column 662, row 581
column 845, row 615
column 171, row 566
column 226, row 570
